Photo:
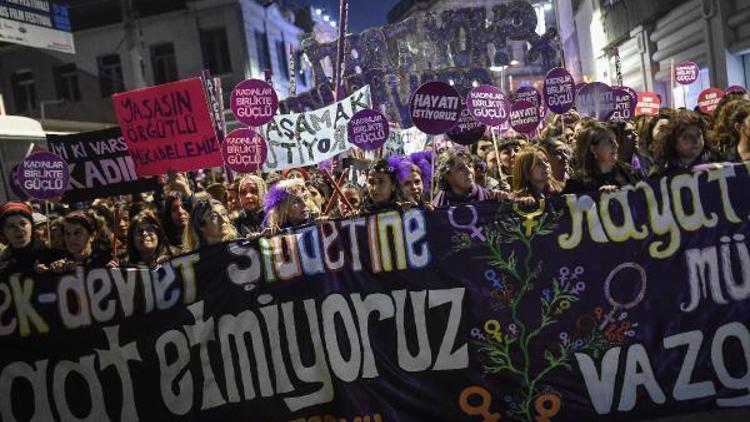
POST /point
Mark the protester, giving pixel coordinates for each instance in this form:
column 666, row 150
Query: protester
column 87, row 242
column 57, row 234
column 148, row 244
column 381, row 191
column 532, row 176
column 209, row 224
column 22, row 253
column 252, row 190
column 287, row 204
column 681, row 144
column 40, row 228
column 353, row 197
column 598, row 167
column 560, row 157
column 508, row 149
column 175, row 218
column 456, row 179
column 414, row 175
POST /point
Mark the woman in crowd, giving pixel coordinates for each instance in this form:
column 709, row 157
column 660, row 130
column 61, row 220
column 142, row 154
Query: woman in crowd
column 681, row 144
column 560, row 158
column 208, row 225
column 381, row 189
column 57, row 234
column 629, row 151
column 508, row 148
column 353, row 196
column 88, row 242
column 148, row 244
column 288, row 204
column 532, row 176
column 22, row 252
column 598, row 167
column 457, row 182
column 413, row 174
column 252, row 190
column 740, row 124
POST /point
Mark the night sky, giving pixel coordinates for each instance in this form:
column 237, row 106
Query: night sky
column 363, row 14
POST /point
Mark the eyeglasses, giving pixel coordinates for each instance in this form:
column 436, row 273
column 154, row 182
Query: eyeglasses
column 144, row 231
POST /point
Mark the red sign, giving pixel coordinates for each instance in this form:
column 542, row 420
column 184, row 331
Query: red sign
column 168, row 128
column 648, row 104
column 709, row 98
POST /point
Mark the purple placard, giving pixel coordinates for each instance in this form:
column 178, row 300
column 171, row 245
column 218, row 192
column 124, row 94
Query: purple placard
column 14, row 186
column 468, row 130
column 244, row 150
column 254, row 102
column 524, row 116
column 596, row 100
column 736, row 88
column 43, row 175
column 559, row 90
column 435, row 107
column 686, row 72
column 488, row 105
column 625, row 102
column 368, row 129
column 527, row 93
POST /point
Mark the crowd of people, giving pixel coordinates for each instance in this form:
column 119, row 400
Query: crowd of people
column 572, row 154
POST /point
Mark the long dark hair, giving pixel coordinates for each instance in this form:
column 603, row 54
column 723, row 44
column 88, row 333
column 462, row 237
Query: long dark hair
column 172, row 231
column 163, row 250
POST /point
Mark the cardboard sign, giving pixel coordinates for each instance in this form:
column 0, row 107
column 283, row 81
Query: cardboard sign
column 648, row 104
column 168, row 128
column 435, row 107
column 524, row 116
column 368, row 129
column 527, row 93
column 595, row 100
column 99, row 165
column 559, row 90
column 686, row 72
column 626, row 101
column 303, row 139
column 244, row 150
column 43, row 175
column 488, row 105
column 254, row 102
column 709, row 98
column 468, row 130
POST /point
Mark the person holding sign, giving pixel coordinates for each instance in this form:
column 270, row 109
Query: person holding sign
column 597, row 165
column 22, row 253
column 682, row 145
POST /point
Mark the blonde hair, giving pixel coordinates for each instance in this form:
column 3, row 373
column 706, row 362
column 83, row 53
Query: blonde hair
column 192, row 237
column 278, row 213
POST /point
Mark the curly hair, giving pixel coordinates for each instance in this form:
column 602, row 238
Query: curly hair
column 663, row 147
column 447, row 162
column 722, row 133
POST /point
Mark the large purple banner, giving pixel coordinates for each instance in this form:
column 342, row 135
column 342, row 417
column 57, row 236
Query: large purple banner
column 614, row 306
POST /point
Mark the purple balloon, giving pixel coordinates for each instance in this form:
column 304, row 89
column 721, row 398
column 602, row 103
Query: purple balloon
column 559, row 90
column 43, row 175
column 468, row 130
column 524, row 116
column 488, row 105
column 254, row 102
column 625, row 102
column 686, row 72
column 596, row 100
column 435, row 107
column 368, row 129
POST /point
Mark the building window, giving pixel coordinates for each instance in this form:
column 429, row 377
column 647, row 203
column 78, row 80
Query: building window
column 164, row 63
column 264, row 55
column 281, row 55
column 66, row 82
column 110, row 74
column 215, row 50
column 24, row 91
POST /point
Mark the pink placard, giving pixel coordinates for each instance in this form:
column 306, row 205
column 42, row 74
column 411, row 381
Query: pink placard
column 709, row 99
column 648, row 104
column 168, row 128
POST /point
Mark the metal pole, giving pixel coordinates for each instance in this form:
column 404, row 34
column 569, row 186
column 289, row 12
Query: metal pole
column 338, row 73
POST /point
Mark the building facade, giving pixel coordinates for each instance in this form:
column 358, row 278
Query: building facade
column 235, row 39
